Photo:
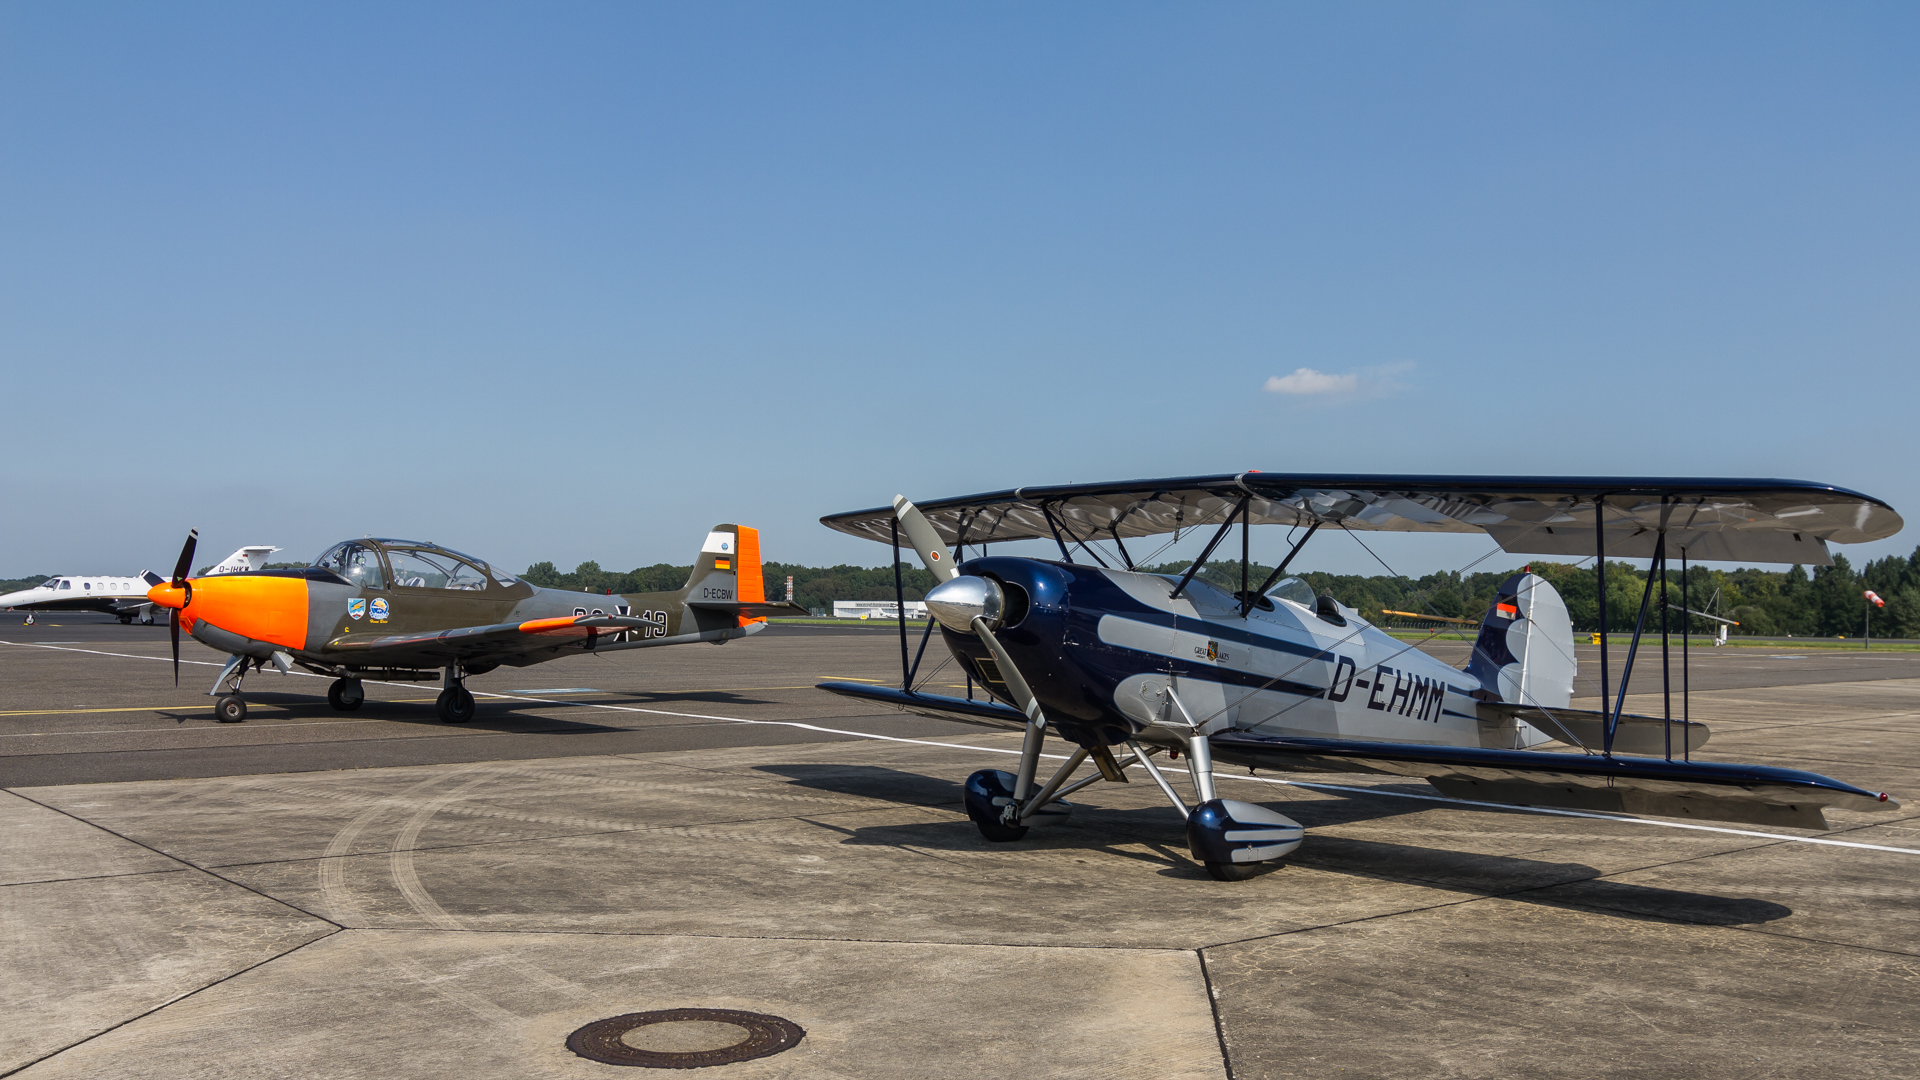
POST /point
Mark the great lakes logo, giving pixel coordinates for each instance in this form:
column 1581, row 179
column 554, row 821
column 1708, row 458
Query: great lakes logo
column 380, row 610
column 356, row 608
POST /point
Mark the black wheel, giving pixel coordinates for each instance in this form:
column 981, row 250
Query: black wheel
column 455, row 705
column 1233, row 871
column 126, row 620
column 231, row 709
column 1001, row 834
column 345, row 695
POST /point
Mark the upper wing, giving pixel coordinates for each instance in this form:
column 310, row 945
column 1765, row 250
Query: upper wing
column 1761, row 520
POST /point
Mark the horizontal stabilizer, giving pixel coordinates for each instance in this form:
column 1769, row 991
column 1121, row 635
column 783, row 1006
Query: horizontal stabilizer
column 1640, row 735
column 938, row 706
column 1714, row 791
column 751, row 609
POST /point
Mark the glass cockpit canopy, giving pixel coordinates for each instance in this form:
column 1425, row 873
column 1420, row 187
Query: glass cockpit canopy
column 1296, row 591
column 415, row 564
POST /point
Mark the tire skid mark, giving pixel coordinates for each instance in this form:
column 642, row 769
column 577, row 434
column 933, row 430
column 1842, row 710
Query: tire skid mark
column 400, row 865
column 342, row 908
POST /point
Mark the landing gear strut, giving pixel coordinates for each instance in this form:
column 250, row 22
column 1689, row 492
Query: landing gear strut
column 455, row 704
column 231, row 708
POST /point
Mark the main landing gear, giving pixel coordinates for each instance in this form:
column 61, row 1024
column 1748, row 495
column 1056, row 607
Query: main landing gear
column 345, row 695
column 455, row 704
column 1232, row 839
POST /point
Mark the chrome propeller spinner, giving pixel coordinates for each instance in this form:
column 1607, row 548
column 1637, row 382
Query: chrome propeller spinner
column 957, row 601
column 966, row 604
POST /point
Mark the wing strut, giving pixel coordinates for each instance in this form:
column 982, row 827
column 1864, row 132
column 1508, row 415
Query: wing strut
column 1659, row 564
column 1211, row 544
column 1246, row 602
column 900, row 609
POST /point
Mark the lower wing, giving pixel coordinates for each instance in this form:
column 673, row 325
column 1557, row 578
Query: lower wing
column 505, row 642
column 1710, row 790
column 1716, row 791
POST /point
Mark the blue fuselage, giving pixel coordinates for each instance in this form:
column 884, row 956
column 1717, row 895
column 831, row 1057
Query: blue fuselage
column 1110, row 653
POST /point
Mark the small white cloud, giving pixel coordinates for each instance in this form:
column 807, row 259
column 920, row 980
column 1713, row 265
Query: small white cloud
column 1308, row 381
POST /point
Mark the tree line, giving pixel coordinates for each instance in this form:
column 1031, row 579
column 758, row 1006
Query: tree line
column 1824, row 603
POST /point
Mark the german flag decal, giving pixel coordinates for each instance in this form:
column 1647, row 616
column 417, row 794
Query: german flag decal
column 723, row 564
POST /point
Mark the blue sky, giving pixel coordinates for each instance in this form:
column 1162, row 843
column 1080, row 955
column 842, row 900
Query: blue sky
column 576, row 281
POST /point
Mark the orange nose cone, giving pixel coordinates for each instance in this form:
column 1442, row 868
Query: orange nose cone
column 168, row 595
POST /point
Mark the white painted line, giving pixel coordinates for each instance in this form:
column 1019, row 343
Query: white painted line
column 1062, row 757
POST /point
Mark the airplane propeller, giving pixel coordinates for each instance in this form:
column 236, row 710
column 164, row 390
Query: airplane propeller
column 180, row 581
column 975, row 603
column 925, row 539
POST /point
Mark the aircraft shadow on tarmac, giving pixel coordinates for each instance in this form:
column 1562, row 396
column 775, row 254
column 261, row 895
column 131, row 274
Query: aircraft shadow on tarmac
column 1568, row 885
column 493, row 715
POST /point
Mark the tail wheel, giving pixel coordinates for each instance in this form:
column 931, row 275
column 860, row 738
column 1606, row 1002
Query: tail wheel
column 1234, row 871
column 454, row 705
column 345, row 695
column 231, row 709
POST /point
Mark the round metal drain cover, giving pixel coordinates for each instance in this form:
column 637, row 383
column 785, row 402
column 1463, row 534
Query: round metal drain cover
column 684, row 1038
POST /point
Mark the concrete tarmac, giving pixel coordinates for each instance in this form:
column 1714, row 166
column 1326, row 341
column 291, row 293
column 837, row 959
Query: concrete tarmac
column 374, row 894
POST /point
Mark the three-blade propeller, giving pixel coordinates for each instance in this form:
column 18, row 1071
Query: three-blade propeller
column 180, row 570
column 939, row 562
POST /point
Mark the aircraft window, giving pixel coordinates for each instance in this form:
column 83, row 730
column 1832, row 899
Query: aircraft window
column 357, row 563
column 50, row 583
column 1295, row 591
column 434, row 570
column 66, row 584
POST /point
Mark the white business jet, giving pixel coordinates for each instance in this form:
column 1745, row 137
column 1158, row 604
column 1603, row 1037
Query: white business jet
column 122, row 597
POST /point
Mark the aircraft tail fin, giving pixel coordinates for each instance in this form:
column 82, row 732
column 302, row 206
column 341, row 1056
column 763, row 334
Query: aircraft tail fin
column 244, row 561
column 1524, row 654
column 727, row 577
column 728, row 567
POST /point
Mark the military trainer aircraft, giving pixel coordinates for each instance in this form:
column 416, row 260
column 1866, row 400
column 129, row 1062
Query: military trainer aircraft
column 1271, row 676
column 411, row 610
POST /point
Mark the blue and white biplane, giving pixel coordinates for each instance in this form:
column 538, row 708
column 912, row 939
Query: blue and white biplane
column 1112, row 660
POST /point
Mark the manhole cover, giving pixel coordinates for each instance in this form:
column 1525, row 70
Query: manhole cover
column 684, row 1038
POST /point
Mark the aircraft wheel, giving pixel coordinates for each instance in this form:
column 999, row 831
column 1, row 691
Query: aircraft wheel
column 455, row 705
column 345, row 695
column 231, row 709
column 1001, row 834
column 125, row 620
column 1233, row 871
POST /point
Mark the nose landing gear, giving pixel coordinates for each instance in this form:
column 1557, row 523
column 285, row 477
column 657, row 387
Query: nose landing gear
column 231, row 708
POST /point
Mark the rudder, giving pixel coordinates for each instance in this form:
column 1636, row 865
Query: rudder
column 1524, row 654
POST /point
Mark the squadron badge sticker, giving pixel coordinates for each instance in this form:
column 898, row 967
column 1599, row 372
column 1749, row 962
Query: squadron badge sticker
column 356, row 608
column 379, row 610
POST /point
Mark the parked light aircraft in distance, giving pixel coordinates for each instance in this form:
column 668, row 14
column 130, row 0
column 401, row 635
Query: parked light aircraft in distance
column 1273, row 677
column 125, row 597
column 413, row 610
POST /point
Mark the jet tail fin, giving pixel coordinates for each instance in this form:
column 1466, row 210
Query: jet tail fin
column 244, row 561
